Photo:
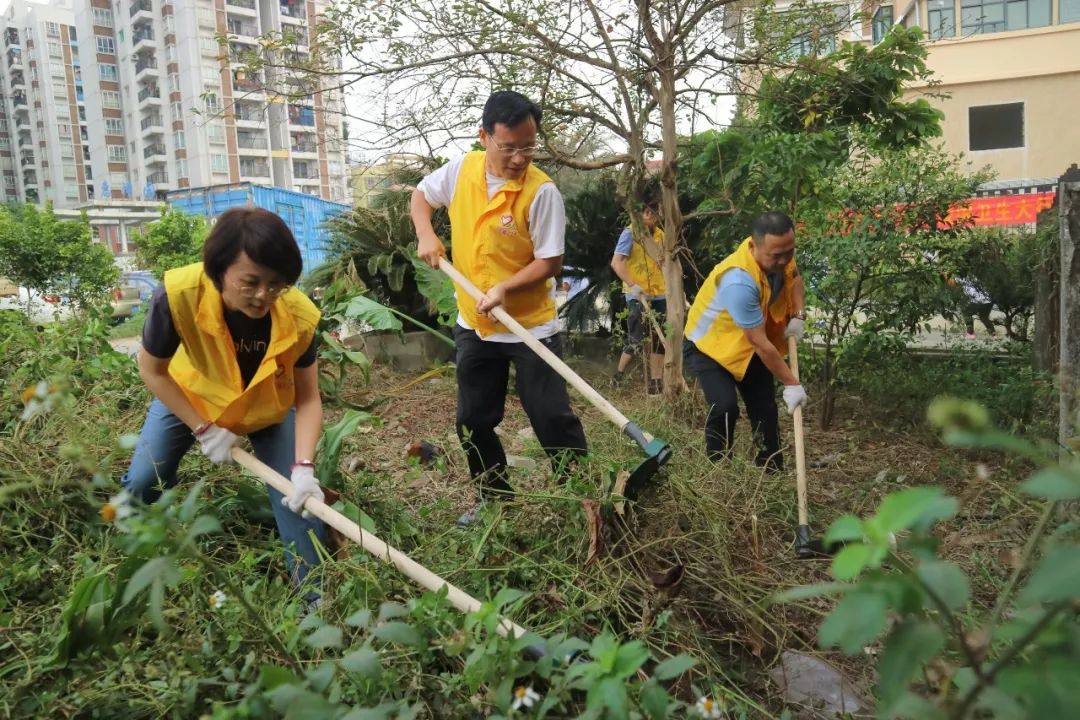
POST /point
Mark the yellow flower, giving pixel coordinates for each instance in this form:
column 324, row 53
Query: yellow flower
column 107, row 512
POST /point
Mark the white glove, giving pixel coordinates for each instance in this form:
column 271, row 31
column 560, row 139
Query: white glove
column 794, row 396
column 305, row 485
column 795, row 328
column 635, row 292
column 216, row 443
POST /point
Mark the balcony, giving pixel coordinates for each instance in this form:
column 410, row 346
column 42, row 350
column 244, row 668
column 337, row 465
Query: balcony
column 254, row 170
column 251, row 143
column 142, row 8
column 11, row 37
column 20, row 102
column 154, row 154
column 152, row 124
column 293, row 9
column 146, row 67
column 247, row 83
column 243, row 29
column 244, row 7
column 26, row 161
column 302, row 116
column 149, row 95
column 22, row 124
column 17, row 82
column 14, row 58
column 142, row 41
column 159, row 179
column 300, row 144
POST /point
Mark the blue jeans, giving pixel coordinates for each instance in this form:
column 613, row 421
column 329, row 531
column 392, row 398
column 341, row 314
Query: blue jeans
column 164, row 440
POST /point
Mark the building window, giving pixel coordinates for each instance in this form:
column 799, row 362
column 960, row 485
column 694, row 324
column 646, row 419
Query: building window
column 1021, row 14
column 178, row 140
column 941, row 18
column 1069, row 11
column 174, row 82
column 883, row 21
column 995, row 127
column 117, row 153
column 54, row 49
column 110, row 98
column 107, row 71
column 52, row 29
column 216, row 132
column 208, row 46
column 213, row 104
column 114, row 126
column 181, row 168
column 219, row 164
column 987, row 16
column 106, row 45
column 63, row 130
column 103, row 17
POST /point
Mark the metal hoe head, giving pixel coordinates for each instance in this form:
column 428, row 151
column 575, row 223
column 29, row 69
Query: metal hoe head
column 807, row 548
column 658, row 452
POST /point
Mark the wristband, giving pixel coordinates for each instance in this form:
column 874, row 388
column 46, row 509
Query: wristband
column 202, row 428
column 302, row 463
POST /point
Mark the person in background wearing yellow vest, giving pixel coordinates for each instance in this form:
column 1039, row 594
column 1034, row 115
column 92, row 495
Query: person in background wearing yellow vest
column 643, row 285
column 507, row 236
column 228, row 349
column 736, row 334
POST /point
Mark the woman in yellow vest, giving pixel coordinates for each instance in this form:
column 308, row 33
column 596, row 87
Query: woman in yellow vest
column 508, row 235
column 228, row 349
column 643, row 285
column 736, row 334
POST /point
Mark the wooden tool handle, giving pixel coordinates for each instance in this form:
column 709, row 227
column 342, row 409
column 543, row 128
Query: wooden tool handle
column 598, row 400
column 800, row 445
column 387, row 553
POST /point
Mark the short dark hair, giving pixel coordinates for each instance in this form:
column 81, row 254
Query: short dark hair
column 260, row 234
column 771, row 223
column 509, row 108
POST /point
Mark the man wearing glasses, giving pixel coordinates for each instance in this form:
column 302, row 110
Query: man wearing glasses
column 507, row 236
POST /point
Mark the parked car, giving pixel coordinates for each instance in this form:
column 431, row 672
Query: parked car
column 134, row 289
column 39, row 308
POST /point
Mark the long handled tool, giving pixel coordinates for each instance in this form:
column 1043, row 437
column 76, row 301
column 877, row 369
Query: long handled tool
column 387, row 553
column 657, row 451
column 806, row 547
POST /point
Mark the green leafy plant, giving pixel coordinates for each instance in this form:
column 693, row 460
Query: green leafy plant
column 174, row 240
column 1013, row 660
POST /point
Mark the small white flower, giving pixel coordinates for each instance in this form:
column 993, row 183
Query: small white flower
column 117, row 510
column 524, row 697
column 709, row 708
column 217, row 600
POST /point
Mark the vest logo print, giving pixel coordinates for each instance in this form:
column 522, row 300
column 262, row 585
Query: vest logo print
column 507, row 226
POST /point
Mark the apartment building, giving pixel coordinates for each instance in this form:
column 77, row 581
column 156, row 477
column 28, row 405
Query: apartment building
column 132, row 98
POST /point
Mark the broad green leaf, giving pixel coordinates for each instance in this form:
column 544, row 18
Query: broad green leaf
column 363, row 662
column 360, row 618
column 507, row 596
column 156, row 568
column 390, row 610
column 851, row 561
column 654, row 699
column 910, row 645
column 383, row 711
column 1052, row 484
column 910, row 706
column 270, row 676
column 319, row 678
column 899, row 511
column 855, row 622
column 1057, row 577
column 436, row 287
column 204, row 525
column 309, row 706
column 946, row 580
column 366, row 310
column 324, row 637
column 398, row 632
column 673, row 667
column 611, row 693
column 844, row 528
column 630, row 657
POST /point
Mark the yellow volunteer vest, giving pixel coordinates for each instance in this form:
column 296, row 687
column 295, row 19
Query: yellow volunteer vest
column 490, row 242
column 643, row 269
column 205, row 366
column 717, row 334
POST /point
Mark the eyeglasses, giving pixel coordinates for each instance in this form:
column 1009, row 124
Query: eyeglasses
column 272, row 291
column 512, row 151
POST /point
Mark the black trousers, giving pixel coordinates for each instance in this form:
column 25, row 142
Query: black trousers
column 483, row 373
column 759, row 395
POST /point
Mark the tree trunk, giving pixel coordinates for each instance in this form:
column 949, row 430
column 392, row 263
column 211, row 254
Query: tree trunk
column 673, row 224
column 1047, row 301
column 828, row 402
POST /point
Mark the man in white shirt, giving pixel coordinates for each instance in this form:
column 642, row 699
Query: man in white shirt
column 508, row 236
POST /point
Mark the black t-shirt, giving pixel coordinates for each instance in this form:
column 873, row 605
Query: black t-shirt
column 251, row 337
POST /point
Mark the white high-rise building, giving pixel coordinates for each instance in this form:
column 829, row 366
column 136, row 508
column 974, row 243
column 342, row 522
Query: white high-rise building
column 131, row 98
